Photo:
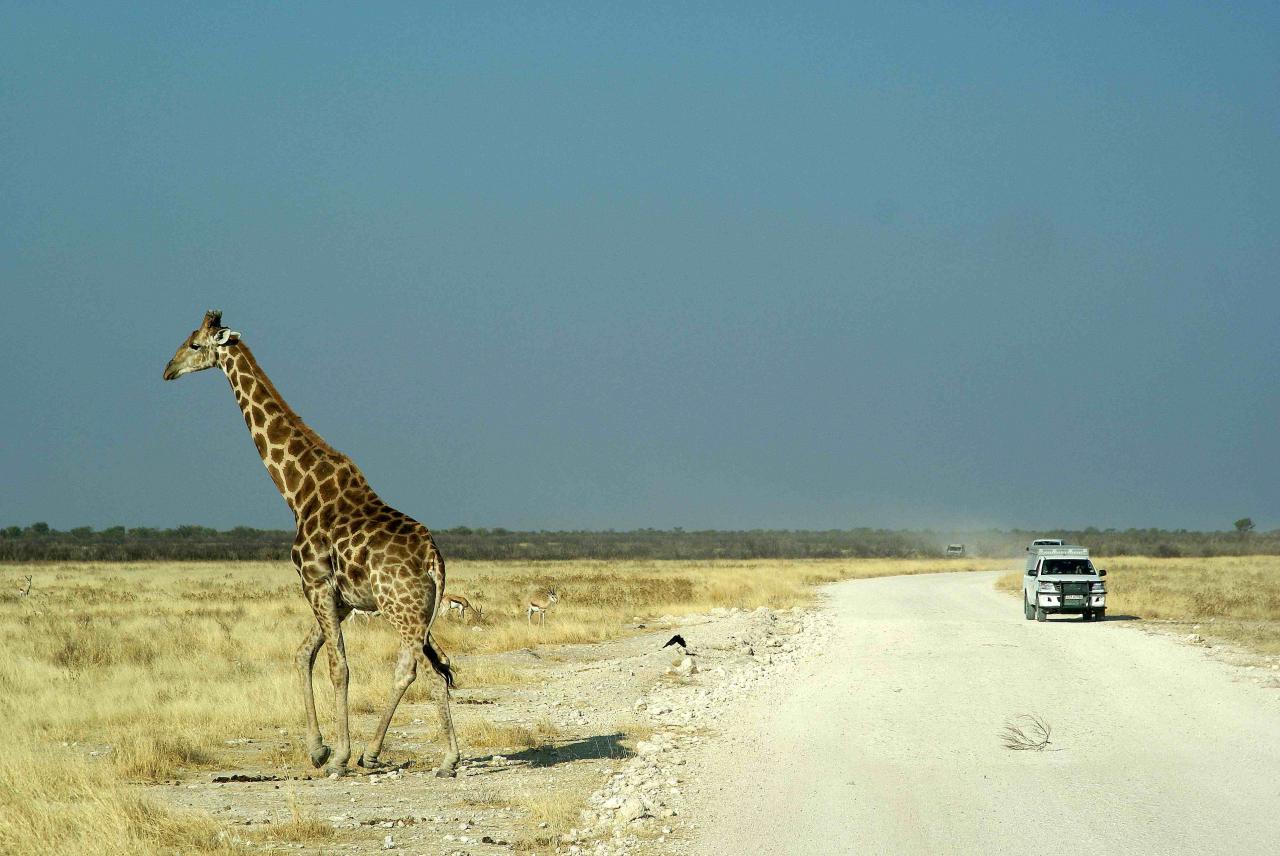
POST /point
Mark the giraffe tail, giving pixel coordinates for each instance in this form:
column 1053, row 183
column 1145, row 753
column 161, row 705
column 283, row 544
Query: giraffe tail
column 438, row 661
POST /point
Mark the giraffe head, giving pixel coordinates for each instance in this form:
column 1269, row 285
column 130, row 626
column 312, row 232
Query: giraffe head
column 199, row 351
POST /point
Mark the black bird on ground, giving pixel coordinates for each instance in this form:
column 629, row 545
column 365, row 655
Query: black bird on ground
column 676, row 640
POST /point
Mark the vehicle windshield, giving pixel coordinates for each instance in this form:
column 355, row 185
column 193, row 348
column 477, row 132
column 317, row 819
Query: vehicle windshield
column 1066, row 566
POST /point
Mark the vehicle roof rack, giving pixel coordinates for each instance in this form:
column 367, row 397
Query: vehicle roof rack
column 1064, row 551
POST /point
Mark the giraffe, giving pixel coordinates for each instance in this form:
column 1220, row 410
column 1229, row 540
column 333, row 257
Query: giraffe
column 351, row 551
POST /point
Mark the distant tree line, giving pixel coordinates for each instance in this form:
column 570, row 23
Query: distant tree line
column 41, row 543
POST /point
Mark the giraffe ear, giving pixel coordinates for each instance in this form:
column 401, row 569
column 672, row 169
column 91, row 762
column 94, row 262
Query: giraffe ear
column 226, row 336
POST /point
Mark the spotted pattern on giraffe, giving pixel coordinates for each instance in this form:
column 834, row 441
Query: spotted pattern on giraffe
column 351, row 550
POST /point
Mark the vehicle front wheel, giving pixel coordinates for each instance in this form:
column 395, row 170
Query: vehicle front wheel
column 1027, row 611
column 1040, row 615
column 1100, row 614
column 1086, row 616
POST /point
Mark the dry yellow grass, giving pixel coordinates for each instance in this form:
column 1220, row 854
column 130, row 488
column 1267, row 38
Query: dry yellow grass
column 298, row 826
column 155, row 666
column 55, row 802
column 1234, row 598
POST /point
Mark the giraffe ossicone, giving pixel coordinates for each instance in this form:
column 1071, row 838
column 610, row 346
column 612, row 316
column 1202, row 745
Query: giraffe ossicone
column 352, row 550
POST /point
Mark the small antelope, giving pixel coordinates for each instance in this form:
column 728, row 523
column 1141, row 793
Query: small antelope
column 540, row 604
column 23, row 592
column 460, row 603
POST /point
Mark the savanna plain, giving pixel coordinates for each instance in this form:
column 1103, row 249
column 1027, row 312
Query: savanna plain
column 123, row 684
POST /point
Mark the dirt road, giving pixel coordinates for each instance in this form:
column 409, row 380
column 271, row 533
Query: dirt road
column 889, row 743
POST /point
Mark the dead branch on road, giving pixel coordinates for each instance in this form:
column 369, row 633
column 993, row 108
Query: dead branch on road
column 1028, row 731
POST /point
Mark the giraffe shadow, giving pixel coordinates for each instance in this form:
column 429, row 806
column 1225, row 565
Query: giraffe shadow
column 594, row 748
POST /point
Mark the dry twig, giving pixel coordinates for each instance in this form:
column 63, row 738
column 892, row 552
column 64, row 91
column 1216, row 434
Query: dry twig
column 1028, row 731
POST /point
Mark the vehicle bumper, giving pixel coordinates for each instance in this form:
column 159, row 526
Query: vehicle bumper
column 1055, row 603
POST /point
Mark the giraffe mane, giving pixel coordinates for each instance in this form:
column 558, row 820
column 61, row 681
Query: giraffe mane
column 307, row 431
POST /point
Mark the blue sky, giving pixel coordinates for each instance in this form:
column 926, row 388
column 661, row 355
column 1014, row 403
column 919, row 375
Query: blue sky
column 603, row 265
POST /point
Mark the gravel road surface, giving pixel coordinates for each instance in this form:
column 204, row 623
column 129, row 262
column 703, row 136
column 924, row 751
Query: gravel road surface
column 889, row 741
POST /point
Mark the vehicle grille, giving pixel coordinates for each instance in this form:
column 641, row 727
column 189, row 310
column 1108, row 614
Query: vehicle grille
column 1075, row 589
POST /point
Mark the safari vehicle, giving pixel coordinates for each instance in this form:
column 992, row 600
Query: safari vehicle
column 955, row 549
column 1061, row 579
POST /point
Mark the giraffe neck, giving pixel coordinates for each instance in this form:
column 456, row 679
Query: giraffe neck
column 287, row 445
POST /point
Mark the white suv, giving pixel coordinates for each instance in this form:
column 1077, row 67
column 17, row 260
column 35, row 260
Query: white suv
column 1061, row 579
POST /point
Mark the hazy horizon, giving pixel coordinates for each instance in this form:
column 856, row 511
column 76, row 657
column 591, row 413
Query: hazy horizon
column 735, row 266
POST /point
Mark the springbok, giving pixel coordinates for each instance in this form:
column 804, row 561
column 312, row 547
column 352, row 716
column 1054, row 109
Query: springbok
column 460, row 603
column 540, row 603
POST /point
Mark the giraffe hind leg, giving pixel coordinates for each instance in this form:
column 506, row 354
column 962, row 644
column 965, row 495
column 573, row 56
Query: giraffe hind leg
column 406, row 671
column 413, row 653
column 439, row 663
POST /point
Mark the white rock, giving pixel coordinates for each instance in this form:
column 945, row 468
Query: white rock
column 388, row 843
column 632, row 809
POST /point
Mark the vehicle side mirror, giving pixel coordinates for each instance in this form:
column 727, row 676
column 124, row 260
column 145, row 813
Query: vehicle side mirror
column 1102, row 573
column 1031, row 573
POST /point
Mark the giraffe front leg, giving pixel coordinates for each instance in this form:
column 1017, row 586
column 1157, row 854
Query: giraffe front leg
column 329, row 615
column 306, row 660
column 339, row 675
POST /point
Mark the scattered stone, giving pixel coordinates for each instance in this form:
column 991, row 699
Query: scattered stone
column 631, row 809
column 246, row 777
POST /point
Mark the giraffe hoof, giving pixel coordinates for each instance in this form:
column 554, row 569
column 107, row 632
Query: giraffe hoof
column 370, row 763
column 448, row 768
column 319, row 755
column 335, row 771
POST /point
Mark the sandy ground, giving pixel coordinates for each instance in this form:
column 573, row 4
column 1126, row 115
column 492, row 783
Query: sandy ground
column 889, row 740
column 869, row 725
column 624, row 794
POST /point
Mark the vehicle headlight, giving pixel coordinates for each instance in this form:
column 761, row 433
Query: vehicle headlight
column 1049, row 588
column 1098, row 588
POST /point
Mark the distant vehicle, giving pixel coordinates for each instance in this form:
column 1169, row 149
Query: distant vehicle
column 955, row 549
column 1059, row 578
column 1044, row 542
